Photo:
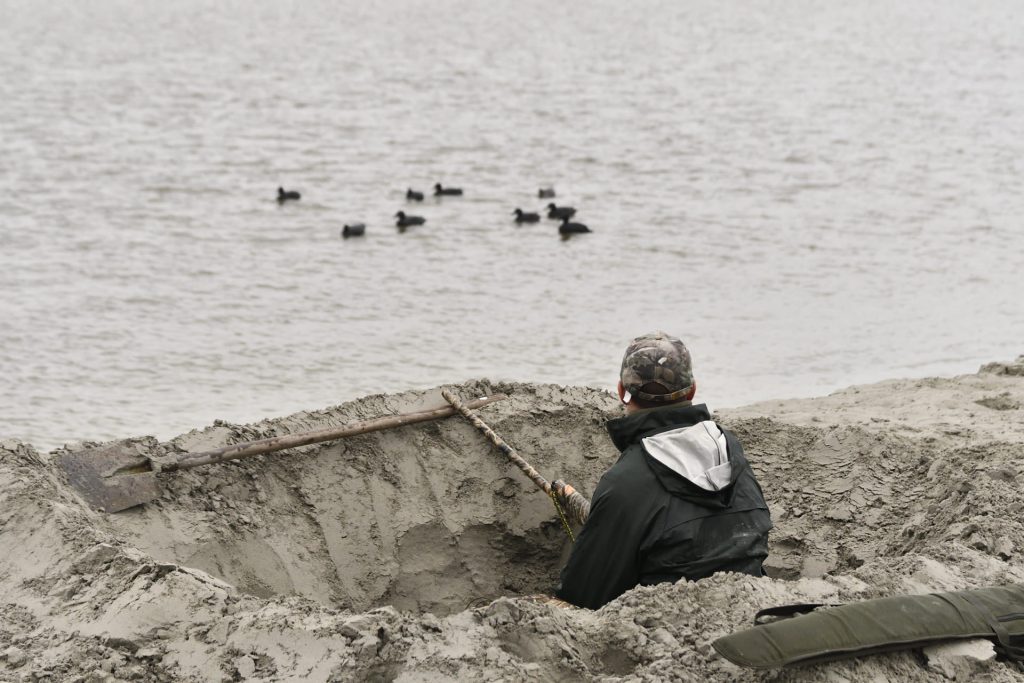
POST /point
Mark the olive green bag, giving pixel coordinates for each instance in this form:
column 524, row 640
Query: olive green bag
column 898, row 623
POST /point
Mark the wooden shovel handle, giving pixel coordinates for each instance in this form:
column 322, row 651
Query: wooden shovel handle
column 279, row 443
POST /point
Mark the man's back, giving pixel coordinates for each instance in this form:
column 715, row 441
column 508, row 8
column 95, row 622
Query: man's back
column 681, row 502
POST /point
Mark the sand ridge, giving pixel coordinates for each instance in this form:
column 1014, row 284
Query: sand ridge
column 405, row 555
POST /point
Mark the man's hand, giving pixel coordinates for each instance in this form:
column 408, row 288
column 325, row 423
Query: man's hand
column 577, row 507
column 562, row 490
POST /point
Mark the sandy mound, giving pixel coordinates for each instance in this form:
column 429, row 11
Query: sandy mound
column 424, row 518
column 402, row 555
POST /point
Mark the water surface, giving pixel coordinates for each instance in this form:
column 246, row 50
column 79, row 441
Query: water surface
column 810, row 193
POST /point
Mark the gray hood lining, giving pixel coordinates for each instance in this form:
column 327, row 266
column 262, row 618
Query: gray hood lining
column 697, row 453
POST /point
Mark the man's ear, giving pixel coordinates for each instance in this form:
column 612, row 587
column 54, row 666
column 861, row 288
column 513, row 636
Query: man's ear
column 690, row 393
column 622, row 392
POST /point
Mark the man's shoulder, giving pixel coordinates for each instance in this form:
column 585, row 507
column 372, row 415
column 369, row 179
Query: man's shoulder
column 629, row 486
column 630, row 470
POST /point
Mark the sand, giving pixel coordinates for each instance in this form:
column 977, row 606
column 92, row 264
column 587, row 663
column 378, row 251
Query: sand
column 406, row 555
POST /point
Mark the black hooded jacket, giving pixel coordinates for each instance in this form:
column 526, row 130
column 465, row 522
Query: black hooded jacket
column 680, row 502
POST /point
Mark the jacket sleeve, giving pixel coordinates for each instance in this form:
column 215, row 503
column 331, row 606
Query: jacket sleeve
column 603, row 562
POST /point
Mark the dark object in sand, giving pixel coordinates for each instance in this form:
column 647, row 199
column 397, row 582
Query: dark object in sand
column 354, row 230
column 413, row 196
column 902, row 622
column 546, row 193
column 567, row 228
column 560, row 212
column 117, row 477
column 290, row 195
column 525, row 217
column 405, row 221
column 446, row 191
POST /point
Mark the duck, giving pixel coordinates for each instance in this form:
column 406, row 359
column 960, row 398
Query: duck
column 546, row 192
column 405, row 221
column 525, row 217
column 567, row 228
column 283, row 196
column 413, row 196
column 354, row 230
column 450, row 191
column 560, row 212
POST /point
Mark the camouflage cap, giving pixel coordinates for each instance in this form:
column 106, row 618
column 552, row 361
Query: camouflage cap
column 657, row 357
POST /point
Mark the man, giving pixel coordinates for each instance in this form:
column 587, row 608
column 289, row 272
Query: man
column 680, row 502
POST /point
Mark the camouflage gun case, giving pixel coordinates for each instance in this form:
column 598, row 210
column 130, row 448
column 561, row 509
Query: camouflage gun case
column 898, row 623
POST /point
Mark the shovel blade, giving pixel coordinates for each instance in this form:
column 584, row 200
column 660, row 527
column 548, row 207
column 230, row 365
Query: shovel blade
column 111, row 479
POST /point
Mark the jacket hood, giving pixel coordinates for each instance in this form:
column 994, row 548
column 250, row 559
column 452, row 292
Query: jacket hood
column 698, row 454
column 631, row 429
column 688, row 453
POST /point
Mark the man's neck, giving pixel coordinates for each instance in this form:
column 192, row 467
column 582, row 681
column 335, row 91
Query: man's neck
column 633, row 408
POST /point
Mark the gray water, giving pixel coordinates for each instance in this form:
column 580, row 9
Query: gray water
column 810, row 193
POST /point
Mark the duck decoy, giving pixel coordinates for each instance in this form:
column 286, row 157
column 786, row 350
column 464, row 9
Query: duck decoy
column 525, row 217
column 405, row 221
column 567, row 228
column 413, row 196
column 546, row 192
column 354, row 230
column 448, row 191
column 560, row 212
column 283, row 196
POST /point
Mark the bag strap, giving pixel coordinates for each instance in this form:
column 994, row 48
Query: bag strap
column 770, row 614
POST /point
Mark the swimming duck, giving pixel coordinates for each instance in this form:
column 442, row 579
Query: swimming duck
column 413, row 196
column 450, row 191
column 560, row 212
column 283, row 196
column 354, row 230
column 405, row 221
column 546, row 192
column 525, row 217
column 567, row 228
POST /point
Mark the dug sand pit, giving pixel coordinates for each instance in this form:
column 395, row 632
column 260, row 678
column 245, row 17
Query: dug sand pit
column 408, row 555
column 426, row 518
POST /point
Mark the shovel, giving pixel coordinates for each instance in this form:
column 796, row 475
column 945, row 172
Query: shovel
column 116, row 477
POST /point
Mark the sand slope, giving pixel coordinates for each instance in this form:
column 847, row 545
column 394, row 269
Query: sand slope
column 399, row 555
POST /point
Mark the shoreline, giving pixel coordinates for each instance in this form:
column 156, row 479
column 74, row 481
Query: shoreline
column 234, row 415
column 409, row 553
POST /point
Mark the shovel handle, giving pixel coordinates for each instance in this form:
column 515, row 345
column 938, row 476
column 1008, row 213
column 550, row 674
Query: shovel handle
column 279, row 443
column 578, row 506
column 509, row 452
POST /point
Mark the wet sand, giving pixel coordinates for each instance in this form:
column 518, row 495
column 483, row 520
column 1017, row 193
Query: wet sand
column 406, row 554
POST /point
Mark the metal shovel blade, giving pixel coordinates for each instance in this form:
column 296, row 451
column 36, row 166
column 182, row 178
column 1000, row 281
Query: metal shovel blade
column 111, row 479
